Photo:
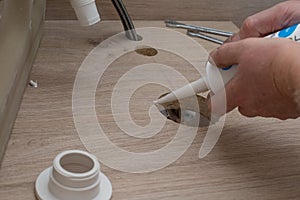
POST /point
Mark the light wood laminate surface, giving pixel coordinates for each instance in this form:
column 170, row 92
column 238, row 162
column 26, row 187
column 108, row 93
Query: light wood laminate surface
column 198, row 10
column 254, row 159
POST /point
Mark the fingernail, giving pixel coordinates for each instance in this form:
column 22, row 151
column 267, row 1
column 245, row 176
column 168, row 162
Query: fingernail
column 211, row 56
column 228, row 39
column 213, row 52
column 235, row 37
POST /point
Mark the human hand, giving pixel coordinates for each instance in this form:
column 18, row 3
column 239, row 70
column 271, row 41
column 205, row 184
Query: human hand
column 267, row 77
column 280, row 16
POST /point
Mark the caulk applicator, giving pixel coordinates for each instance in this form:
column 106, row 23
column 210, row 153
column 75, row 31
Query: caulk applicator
column 215, row 80
column 217, row 77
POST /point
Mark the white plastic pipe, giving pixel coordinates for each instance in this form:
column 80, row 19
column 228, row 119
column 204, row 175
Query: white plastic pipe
column 75, row 175
column 86, row 12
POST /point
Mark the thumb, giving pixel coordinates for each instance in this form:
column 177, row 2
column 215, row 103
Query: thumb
column 228, row 54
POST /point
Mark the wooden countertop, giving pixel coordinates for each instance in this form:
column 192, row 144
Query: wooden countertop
column 254, row 158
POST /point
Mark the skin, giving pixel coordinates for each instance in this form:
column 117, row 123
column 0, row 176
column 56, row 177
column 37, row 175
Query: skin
column 266, row 83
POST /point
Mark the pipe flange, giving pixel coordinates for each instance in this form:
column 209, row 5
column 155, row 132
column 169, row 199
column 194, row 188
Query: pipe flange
column 75, row 175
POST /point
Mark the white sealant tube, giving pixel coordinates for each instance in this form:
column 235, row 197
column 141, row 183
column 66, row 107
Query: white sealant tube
column 227, row 74
column 218, row 77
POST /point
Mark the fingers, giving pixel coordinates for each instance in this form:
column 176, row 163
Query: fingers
column 227, row 99
column 235, row 37
column 226, row 55
column 271, row 20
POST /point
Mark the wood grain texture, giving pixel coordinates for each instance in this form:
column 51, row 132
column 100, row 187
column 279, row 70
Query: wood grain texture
column 254, row 158
column 199, row 10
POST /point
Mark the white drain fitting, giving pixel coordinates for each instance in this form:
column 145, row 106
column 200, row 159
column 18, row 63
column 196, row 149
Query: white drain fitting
column 75, row 175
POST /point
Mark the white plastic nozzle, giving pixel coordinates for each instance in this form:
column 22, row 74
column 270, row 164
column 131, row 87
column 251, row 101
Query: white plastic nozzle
column 86, row 12
column 75, row 175
column 216, row 78
column 185, row 91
